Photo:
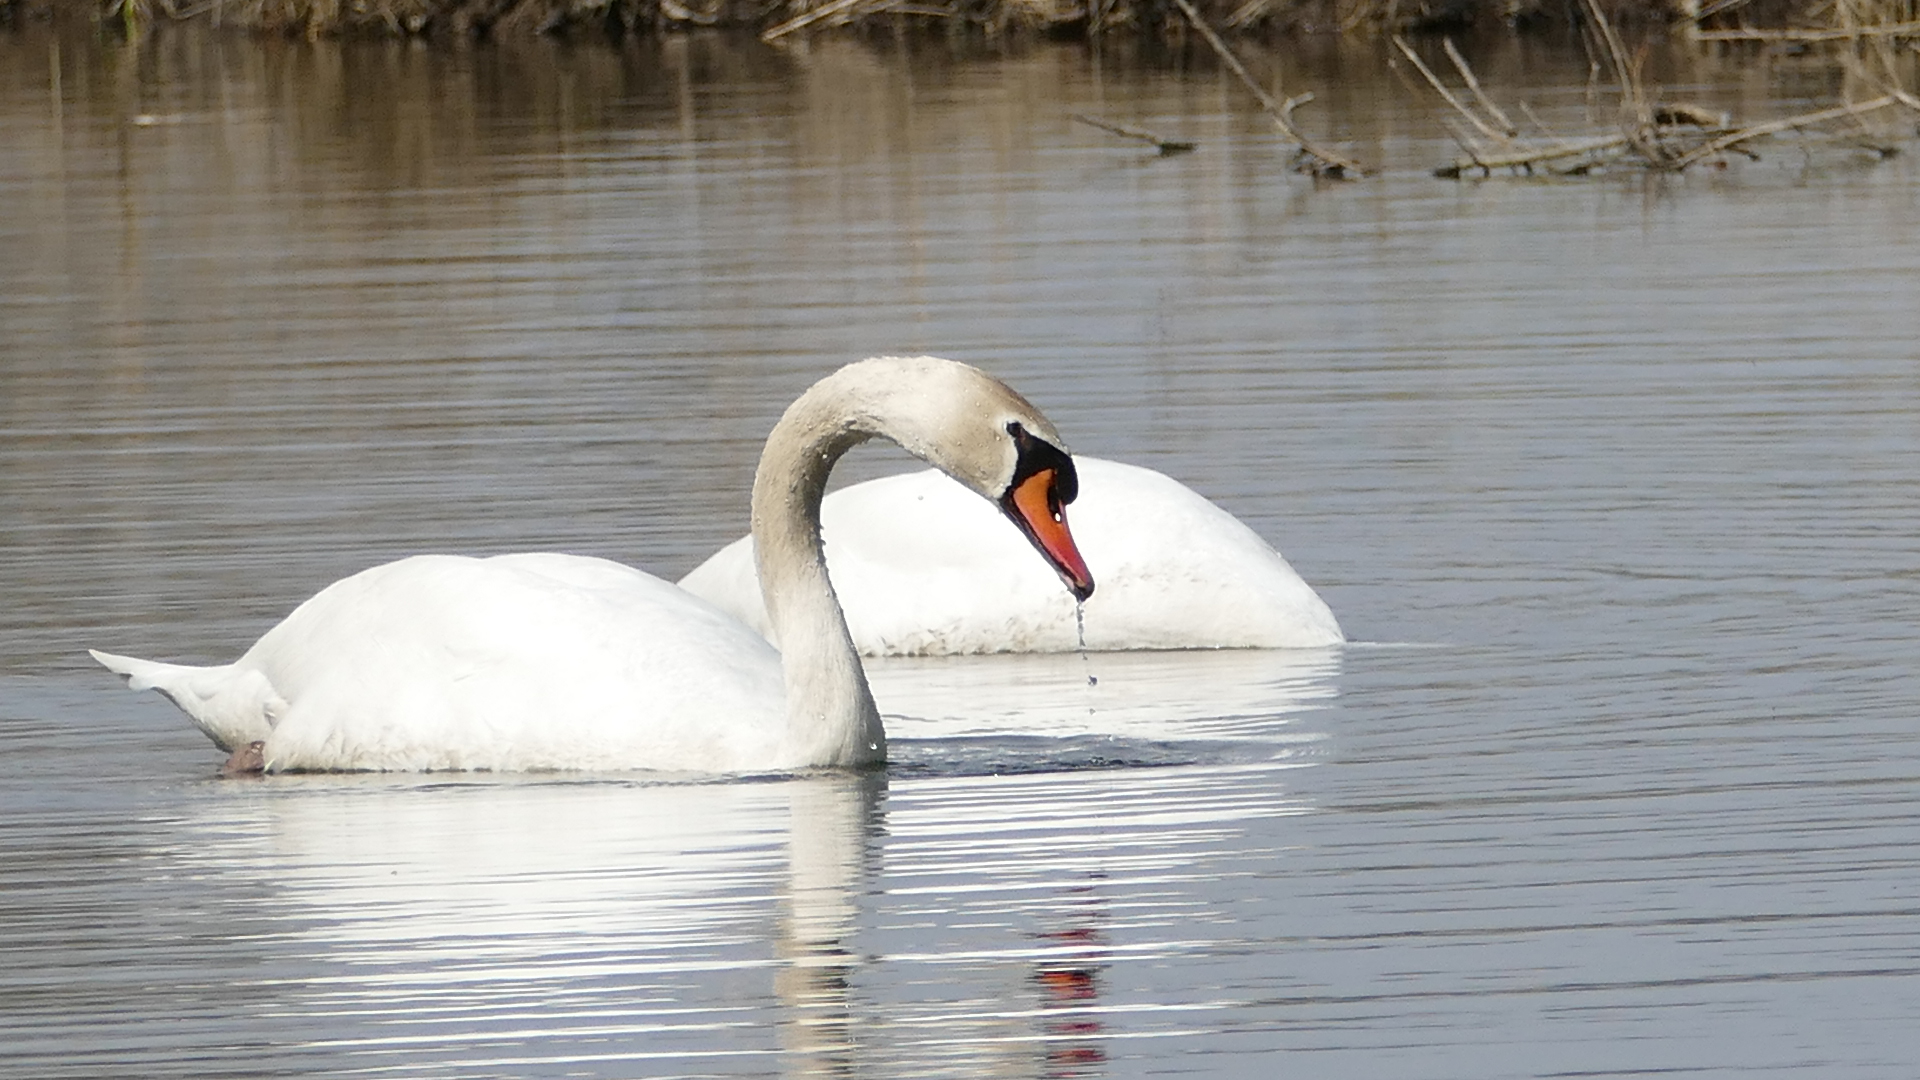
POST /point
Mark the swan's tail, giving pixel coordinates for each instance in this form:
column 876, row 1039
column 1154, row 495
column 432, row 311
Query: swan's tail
column 233, row 705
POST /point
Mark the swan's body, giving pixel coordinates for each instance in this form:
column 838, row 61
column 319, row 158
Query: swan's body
column 563, row 662
column 923, row 567
column 538, row 661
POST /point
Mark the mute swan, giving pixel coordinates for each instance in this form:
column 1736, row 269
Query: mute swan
column 550, row 661
column 922, row 568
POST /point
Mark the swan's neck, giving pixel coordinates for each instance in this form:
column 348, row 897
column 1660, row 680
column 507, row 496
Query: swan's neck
column 831, row 718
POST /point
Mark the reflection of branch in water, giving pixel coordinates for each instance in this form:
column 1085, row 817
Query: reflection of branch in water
column 1315, row 159
column 828, row 865
column 1167, row 147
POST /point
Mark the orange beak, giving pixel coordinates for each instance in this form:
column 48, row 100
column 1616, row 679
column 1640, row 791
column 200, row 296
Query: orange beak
column 1034, row 505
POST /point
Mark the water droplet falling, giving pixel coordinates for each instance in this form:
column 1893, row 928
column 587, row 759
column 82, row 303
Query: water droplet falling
column 1086, row 661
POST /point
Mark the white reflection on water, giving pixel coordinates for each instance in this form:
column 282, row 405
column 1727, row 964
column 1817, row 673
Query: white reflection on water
column 967, row 917
column 461, row 921
column 1221, row 694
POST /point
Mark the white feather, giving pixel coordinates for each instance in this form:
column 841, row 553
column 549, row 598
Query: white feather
column 924, row 567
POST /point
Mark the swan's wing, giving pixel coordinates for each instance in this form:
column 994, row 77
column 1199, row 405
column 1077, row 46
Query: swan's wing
column 924, row 566
column 921, row 565
column 517, row 662
column 729, row 581
column 1188, row 574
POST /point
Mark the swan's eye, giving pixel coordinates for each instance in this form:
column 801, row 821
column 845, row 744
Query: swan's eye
column 1036, row 455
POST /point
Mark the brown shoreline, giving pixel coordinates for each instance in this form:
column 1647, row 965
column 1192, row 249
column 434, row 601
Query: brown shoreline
column 776, row 19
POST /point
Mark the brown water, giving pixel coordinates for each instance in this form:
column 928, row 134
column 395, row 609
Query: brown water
column 1612, row 481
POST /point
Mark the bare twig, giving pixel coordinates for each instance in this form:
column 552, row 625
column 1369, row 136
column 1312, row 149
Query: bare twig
column 806, row 19
column 1638, row 120
column 1708, row 11
column 1670, row 136
column 1616, row 53
column 1473, row 83
column 1774, row 127
column 1448, row 96
column 1167, row 147
column 1534, row 119
column 1326, row 162
column 1474, row 151
column 1522, row 159
column 1725, row 141
column 1636, row 116
column 1497, row 126
column 1248, row 13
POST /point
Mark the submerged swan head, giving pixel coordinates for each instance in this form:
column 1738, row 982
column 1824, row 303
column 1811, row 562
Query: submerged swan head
column 955, row 417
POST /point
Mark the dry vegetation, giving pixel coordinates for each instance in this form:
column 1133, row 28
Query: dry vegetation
column 1660, row 135
column 1813, row 20
column 1874, row 44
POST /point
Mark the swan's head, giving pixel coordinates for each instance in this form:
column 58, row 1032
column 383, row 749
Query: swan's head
column 1035, row 500
column 976, row 429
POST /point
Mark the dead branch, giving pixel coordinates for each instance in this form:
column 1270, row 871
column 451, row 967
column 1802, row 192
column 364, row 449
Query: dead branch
column 1465, row 142
column 1844, row 33
column 1523, row 159
column 1248, row 13
column 1167, row 147
column 1502, row 137
column 1774, row 127
column 1708, row 11
column 1636, row 115
column 1721, row 142
column 1326, row 163
column 1499, row 127
column 824, row 11
column 1614, row 51
column 1473, row 84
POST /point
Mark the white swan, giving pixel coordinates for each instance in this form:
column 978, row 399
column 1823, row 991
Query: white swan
column 922, row 568
column 553, row 661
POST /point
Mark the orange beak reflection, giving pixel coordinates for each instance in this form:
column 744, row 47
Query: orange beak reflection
column 1034, row 505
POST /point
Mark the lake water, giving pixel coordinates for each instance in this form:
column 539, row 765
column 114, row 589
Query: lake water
column 1613, row 482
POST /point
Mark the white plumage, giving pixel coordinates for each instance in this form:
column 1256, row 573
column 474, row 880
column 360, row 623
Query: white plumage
column 923, row 567
column 539, row 661
column 551, row 661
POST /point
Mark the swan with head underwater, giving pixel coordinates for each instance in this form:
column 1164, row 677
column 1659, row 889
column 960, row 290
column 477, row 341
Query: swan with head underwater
column 549, row 661
column 922, row 568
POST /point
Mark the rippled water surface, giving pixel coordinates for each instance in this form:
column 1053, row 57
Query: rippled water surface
column 1612, row 482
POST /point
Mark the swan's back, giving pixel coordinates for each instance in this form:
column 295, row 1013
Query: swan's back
column 518, row 662
column 923, row 567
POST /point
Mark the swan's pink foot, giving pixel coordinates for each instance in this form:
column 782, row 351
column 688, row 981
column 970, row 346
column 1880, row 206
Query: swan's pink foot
column 248, row 760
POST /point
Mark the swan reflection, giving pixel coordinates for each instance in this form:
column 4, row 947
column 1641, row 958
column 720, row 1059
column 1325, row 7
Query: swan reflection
column 830, row 861
column 931, row 917
column 1234, row 695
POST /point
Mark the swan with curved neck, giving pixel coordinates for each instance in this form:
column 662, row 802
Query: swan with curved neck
column 550, row 661
column 932, row 409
